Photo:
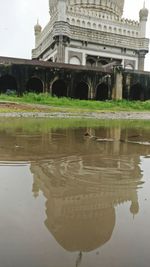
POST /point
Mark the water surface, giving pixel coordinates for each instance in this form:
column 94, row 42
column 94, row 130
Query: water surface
column 71, row 200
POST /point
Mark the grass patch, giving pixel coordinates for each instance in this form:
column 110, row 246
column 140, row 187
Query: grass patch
column 78, row 105
column 36, row 125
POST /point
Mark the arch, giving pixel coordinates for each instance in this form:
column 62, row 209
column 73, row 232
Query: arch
column 74, row 60
column 99, row 26
column 78, row 22
column 83, row 23
column 94, row 25
column 136, row 92
column 59, row 88
column 34, row 85
column 8, row 84
column 129, row 67
column 89, row 25
column 102, row 92
column 102, row 62
column 73, row 21
column 91, row 62
column 81, row 91
column 105, row 28
column 120, row 31
column 110, row 28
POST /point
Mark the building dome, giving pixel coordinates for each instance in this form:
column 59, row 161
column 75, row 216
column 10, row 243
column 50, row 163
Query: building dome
column 37, row 28
column 108, row 6
column 143, row 13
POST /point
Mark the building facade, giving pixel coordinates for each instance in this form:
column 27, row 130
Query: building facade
column 92, row 33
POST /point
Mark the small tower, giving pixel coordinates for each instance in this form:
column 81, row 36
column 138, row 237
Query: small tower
column 143, row 16
column 37, row 31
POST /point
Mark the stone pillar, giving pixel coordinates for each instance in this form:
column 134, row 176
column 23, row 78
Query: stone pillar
column 117, row 85
column 141, row 60
column 60, row 50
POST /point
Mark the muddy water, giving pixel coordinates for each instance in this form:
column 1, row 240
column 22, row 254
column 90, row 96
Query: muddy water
column 67, row 200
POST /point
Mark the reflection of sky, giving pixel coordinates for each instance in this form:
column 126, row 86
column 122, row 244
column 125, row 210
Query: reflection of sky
column 136, row 227
column 144, row 195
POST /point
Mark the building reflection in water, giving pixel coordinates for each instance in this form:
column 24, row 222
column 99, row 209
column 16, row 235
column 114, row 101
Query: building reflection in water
column 84, row 184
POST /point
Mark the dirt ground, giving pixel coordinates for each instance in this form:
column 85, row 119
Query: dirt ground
column 8, row 109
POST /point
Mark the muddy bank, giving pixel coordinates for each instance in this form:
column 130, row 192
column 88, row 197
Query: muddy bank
column 88, row 115
column 40, row 111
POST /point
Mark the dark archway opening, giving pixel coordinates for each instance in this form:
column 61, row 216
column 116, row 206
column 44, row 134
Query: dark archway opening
column 34, row 85
column 59, row 88
column 8, row 84
column 102, row 92
column 136, row 92
column 91, row 62
column 81, row 91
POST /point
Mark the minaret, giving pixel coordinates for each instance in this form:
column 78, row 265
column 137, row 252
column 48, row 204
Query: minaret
column 37, row 31
column 143, row 16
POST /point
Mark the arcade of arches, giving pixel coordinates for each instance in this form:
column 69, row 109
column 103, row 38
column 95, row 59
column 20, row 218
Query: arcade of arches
column 8, row 85
column 62, row 88
column 93, row 81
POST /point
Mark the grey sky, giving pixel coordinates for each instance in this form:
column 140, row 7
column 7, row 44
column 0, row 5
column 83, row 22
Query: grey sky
column 18, row 17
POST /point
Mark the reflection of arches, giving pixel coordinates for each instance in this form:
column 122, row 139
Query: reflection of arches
column 102, row 92
column 81, row 91
column 34, row 85
column 74, row 60
column 136, row 92
column 59, row 88
column 8, row 83
column 103, row 62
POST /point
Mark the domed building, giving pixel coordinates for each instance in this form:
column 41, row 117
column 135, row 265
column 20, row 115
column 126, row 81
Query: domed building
column 92, row 33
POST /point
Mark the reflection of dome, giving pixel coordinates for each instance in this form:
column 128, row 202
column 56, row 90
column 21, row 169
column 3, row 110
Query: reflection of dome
column 82, row 233
column 134, row 208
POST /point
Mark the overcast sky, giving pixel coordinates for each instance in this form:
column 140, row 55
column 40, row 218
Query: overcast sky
column 18, row 17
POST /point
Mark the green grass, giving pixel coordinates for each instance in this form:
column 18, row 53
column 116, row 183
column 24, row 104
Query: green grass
column 78, row 105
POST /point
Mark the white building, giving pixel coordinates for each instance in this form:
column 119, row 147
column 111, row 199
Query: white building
column 93, row 33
